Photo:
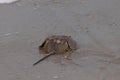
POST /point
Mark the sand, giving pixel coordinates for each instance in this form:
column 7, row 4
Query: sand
column 93, row 24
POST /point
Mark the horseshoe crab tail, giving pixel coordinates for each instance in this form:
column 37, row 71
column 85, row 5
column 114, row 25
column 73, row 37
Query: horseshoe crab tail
column 43, row 58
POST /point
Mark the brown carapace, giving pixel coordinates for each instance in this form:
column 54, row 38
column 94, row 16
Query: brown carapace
column 57, row 44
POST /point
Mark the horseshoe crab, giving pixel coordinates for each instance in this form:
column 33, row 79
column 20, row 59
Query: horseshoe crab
column 57, row 44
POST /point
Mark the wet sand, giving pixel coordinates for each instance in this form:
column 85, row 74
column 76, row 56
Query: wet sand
column 93, row 24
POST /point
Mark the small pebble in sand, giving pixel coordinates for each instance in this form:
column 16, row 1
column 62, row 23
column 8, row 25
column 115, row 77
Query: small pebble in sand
column 16, row 32
column 55, row 77
column 7, row 34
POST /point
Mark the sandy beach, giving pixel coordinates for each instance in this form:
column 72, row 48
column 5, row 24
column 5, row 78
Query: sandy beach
column 93, row 24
